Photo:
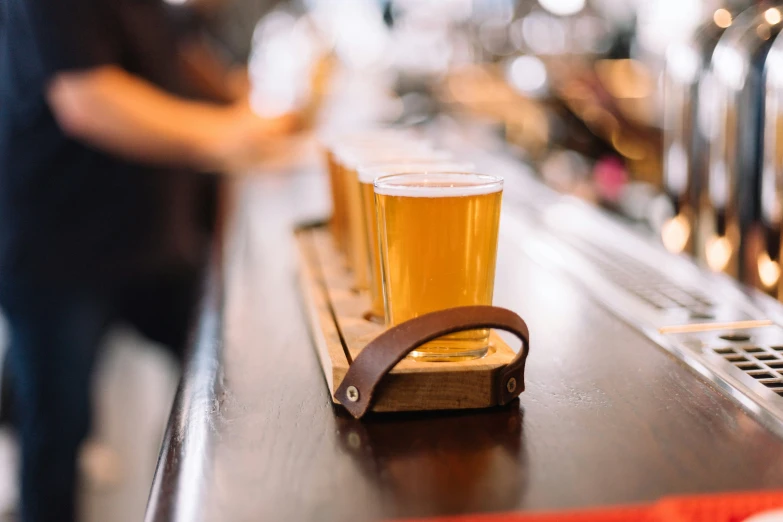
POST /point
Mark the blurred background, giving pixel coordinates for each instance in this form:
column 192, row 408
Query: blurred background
column 666, row 113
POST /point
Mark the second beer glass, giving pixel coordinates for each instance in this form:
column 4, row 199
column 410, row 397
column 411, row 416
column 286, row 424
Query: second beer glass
column 438, row 234
column 367, row 176
column 350, row 158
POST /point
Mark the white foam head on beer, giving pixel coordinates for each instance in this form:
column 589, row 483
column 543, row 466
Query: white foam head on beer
column 438, row 184
column 368, row 173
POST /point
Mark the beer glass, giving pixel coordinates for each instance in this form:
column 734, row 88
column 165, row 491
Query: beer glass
column 438, row 234
column 349, row 158
column 367, row 175
column 331, row 145
column 338, row 208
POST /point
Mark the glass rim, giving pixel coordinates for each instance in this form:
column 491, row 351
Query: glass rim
column 434, row 184
column 370, row 172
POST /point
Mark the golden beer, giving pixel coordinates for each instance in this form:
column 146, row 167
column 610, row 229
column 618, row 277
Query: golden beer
column 367, row 176
column 339, row 225
column 438, row 235
column 338, row 208
column 358, row 240
column 355, row 226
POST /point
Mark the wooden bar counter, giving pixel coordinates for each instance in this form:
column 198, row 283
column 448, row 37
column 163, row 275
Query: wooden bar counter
column 607, row 418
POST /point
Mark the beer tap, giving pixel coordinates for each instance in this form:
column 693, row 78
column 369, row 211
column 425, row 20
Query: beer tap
column 729, row 117
column 767, row 228
column 685, row 146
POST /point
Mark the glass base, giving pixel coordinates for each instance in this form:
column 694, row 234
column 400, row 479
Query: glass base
column 432, row 354
column 461, row 346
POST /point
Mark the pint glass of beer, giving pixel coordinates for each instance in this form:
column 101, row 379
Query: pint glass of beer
column 438, row 235
column 336, row 222
column 354, row 231
column 331, row 145
column 367, row 176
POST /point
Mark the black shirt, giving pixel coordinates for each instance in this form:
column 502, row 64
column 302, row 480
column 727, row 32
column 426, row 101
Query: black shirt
column 68, row 212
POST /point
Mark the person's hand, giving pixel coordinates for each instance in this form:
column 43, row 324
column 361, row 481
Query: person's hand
column 246, row 140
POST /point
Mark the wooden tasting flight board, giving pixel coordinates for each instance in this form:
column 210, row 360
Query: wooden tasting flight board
column 335, row 314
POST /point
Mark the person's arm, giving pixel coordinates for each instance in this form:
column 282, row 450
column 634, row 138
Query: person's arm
column 123, row 114
column 210, row 74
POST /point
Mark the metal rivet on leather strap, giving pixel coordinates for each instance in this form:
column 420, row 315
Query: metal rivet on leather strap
column 511, row 385
column 352, row 393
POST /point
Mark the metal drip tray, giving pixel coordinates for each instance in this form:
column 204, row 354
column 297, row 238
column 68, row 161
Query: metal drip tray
column 645, row 285
column 746, row 364
column 651, row 286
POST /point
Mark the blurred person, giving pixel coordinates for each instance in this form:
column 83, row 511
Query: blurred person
column 105, row 139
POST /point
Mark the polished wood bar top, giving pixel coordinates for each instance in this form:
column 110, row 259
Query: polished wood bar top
column 607, row 417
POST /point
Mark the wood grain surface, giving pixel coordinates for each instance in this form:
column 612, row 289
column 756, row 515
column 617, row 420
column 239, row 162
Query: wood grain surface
column 607, row 417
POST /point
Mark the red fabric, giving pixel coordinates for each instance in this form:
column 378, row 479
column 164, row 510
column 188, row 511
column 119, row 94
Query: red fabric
column 731, row 507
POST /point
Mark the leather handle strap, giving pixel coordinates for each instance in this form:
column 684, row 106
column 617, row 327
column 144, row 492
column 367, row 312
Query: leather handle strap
column 385, row 351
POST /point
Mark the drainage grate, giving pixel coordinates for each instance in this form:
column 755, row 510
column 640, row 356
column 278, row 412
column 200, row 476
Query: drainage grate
column 758, row 362
column 636, row 277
